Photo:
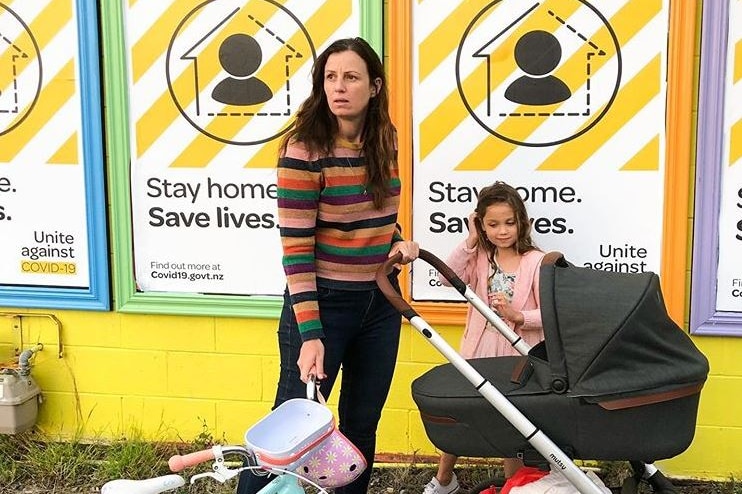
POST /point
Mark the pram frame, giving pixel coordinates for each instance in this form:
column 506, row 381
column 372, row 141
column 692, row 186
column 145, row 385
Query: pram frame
column 537, row 438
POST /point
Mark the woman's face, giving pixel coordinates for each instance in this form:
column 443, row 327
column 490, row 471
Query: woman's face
column 500, row 225
column 347, row 85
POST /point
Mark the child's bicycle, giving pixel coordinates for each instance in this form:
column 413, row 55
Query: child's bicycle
column 285, row 481
column 297, row 442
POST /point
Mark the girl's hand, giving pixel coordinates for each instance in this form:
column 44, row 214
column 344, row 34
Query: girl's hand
column 312, row 360
column 473, row 238
column 499, row 304
column 409, row 250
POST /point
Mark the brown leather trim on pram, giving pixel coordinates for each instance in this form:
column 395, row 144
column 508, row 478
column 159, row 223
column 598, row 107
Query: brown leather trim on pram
column 637, row 401
column 553, row 257
column 522, row 371
column 435, row 419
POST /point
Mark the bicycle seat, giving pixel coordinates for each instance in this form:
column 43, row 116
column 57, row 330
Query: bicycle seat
column 146, row 486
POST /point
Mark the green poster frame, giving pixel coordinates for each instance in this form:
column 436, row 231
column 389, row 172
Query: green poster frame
column 126, row 296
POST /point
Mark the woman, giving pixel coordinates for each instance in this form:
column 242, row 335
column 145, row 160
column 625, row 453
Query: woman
column 338, row 199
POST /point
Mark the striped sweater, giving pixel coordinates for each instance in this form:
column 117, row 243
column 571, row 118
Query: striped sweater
column 332, row 236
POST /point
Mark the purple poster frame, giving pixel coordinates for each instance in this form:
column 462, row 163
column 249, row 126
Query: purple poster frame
column 704, row 318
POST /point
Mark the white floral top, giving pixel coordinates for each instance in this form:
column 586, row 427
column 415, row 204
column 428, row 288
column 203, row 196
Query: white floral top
column 499, row 281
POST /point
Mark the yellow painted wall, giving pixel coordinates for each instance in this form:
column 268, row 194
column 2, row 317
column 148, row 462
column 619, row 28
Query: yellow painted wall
column 171, row 375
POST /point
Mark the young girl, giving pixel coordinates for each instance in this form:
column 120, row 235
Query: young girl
column 500, row 262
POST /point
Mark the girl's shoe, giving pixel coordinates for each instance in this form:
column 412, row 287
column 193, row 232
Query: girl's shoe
column 435, row 487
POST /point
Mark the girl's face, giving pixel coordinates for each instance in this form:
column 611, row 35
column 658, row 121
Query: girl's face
column 500, row 225
column 347, row 84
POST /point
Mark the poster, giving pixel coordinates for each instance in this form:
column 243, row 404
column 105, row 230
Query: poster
column 566, row 101
column 729, row 274
column 51, row 209
column 213, row 86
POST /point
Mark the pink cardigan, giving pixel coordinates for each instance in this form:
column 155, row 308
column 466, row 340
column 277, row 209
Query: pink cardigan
column 472, row 266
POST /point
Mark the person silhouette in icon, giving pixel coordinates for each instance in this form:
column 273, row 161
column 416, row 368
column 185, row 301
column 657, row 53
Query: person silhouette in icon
column 240, row 55
column 537, row 53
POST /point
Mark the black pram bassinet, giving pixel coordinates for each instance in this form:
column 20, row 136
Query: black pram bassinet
column 614, row 379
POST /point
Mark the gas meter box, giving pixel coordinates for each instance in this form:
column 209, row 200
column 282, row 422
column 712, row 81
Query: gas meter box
column 19, row 403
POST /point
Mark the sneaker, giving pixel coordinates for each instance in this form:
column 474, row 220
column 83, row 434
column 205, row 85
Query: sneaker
column 435, row 487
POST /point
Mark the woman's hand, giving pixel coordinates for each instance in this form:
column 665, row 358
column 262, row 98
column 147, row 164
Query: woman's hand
column 502, row 307
column 312, row 360
column 409, row 250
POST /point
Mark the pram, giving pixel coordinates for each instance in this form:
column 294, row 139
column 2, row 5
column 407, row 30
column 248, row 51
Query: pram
column 614, row 379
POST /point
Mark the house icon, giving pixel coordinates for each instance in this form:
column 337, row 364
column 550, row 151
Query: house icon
column 18, row 95
column 538, row 63
column 232, row 67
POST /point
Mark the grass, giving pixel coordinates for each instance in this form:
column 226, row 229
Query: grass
column 32, row 463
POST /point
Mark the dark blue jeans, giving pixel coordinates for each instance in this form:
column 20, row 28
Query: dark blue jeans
column 361, row 336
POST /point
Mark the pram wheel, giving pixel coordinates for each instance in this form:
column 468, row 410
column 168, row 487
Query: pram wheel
column 497, row 482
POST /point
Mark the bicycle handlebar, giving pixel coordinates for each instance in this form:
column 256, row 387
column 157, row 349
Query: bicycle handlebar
column 178, row 463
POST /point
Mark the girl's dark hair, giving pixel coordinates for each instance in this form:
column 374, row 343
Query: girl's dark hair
column 316, row 126
column 502, row 193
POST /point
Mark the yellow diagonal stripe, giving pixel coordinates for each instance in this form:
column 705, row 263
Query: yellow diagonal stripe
column 266, row 157
column 45, row 26
column 440, row 43
column 451, row 112
column 627, row 22
column 67, row 153
column 647, row 159
column 52, row 98
column 737, row 61
column 163, row 111
column 735, row 149
column 142, row 53
column 202, row 149
column 632, row 97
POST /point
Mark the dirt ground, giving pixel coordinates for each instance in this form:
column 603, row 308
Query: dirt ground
column 408, row 480
column 412, row 480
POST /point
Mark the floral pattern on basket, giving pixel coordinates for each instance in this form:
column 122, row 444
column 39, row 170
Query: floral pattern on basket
column 334, row 462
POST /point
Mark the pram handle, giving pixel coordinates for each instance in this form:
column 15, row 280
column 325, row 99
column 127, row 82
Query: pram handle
column 394, row 297
column 518, row 343
column 401, row 305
